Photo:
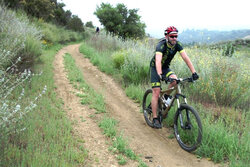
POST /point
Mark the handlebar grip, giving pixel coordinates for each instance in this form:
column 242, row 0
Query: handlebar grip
column 190, row 79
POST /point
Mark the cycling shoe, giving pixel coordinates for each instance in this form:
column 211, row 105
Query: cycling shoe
column 157, row 123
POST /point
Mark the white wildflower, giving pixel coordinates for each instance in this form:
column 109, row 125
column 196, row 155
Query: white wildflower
column 18, row 107
column 44, row 89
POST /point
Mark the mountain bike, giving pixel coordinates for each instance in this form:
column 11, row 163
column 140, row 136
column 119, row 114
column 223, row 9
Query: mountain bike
column 187, row 122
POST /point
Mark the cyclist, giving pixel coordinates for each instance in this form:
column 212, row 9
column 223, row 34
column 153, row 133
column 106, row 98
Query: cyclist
column 159, row 65
column 97, row 30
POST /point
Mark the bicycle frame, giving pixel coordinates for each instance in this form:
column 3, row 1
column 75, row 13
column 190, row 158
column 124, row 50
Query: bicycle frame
column 176, row 95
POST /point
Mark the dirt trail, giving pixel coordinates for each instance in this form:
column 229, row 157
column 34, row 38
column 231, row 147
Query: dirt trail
column 144, row 140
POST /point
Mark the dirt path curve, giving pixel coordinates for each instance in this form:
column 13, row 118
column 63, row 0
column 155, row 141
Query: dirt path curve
column 144, row 140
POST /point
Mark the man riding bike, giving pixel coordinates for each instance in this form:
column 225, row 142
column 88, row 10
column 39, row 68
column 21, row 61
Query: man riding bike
column 159, row 65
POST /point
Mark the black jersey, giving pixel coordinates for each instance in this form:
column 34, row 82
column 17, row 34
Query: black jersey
column 168, row 52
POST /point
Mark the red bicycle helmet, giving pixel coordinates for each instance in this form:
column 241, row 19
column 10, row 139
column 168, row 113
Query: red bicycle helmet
column 171, row 30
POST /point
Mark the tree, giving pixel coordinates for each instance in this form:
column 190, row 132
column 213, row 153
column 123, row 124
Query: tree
column 61, row 17
column 11, row 3
column 45, row 9
column 39, row 8
column 75, row 23
column 120, row 21
column 89, row 24
column 48, row 10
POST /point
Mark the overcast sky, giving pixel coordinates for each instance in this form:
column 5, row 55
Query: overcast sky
column 184, row 14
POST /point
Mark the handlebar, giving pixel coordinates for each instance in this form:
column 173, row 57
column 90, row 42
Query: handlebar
column 179, row 80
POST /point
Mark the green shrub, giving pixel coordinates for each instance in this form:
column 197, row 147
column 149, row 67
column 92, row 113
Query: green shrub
column 53, row 34
column 109, row 127
column 74, row 36
column 32, row 49
column 49, row 36
column 135, row 92
column 119, row 58
column 134, row 69
column 15, row 33
column 228, row 50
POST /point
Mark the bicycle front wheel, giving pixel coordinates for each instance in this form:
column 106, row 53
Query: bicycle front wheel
column 188, row 128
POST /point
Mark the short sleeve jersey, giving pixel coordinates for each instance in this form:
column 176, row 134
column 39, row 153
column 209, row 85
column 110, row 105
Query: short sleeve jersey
column 168, row 52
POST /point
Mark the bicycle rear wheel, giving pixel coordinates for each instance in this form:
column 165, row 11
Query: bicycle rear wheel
column 146, row 106
column 188, row 128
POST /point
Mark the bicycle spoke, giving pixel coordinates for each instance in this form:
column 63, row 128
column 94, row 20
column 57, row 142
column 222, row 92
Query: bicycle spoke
column 188, row 134
column 188, row 129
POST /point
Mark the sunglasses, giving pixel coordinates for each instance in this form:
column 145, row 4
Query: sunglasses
column 173, row 36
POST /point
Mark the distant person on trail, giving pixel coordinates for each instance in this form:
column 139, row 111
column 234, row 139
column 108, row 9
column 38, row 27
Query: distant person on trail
column 159, row 66
column 97, row 30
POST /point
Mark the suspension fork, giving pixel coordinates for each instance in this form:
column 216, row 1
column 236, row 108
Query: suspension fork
column 179, row 109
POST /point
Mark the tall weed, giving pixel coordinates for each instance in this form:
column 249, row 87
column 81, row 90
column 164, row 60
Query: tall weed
column 53, row 34
column 31, row 138
column 130, row 57
column 223, row 80
column 223, row 138
column 14, row 32
column 42, row 137
column 103, row 60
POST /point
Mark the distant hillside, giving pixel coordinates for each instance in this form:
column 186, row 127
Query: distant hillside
column 247, row 37
column 205, row 36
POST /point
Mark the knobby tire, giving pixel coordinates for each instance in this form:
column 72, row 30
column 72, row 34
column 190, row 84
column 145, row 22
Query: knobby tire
column 189, row 137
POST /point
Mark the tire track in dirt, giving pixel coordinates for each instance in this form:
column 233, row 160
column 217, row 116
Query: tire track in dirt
column 85, row 127
column 145, row 141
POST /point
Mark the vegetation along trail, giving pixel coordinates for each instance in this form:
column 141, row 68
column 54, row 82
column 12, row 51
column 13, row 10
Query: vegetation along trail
column 154, row 146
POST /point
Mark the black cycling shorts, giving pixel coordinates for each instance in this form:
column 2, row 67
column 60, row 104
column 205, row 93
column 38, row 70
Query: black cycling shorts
column 155, row 79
